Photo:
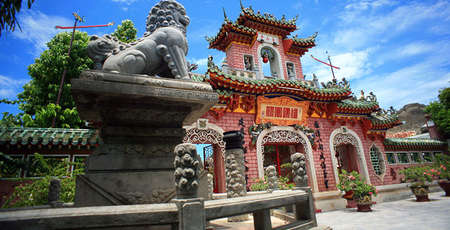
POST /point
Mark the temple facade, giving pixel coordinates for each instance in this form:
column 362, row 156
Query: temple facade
column 263, row 92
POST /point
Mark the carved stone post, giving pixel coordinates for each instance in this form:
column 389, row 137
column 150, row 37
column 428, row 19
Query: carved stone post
column 210, row 186
column 186, row 171
column 298, row 161
column 272, row 178
column 235, row 168
column 191, row 212
column 54, row 191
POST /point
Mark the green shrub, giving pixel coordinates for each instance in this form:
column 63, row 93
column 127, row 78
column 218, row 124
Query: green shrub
column 442, row 166
column 418, row 175
column 36, row 193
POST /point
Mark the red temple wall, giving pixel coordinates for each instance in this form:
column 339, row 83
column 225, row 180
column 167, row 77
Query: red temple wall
column 230, row 121
column 235, row 57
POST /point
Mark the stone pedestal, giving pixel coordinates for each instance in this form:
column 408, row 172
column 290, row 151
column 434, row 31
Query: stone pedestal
column 140, row 121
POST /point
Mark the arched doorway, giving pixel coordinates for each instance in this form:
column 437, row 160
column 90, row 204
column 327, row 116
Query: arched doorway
column 347, row 153
column 210, row 134
column 291, row 140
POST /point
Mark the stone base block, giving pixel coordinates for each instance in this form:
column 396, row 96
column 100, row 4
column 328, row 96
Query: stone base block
column 121, row 188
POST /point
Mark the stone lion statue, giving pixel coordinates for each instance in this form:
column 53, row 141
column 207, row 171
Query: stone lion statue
column 162, row 51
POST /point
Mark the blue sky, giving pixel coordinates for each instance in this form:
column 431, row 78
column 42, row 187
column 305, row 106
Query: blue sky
column 400, row 50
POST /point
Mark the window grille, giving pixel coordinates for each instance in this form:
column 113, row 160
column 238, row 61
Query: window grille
column 391, row 158
column 427, row 157
column 377, row 160
column 403, row 157
column 415, row 157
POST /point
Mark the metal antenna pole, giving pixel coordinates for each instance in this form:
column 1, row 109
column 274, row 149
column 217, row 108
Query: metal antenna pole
column 331, row 66
column 65, row 67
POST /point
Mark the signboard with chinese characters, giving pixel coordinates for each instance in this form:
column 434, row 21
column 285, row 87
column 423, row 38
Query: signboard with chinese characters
column 281, row 111
column 268, row 38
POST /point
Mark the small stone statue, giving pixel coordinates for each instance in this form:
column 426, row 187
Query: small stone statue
column 186, row 171
column 272, row 178
column 54, row 191
column 248, row 63
column 362, row 97
column 290, row 70
column 298, row 161
column 162, row 51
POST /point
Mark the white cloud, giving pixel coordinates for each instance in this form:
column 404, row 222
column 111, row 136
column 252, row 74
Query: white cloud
column 416, row 83
column 39, row 28
column 352, row 64
column 9, row 87
column 361, row 27
column 128, row 2
column 368, row 4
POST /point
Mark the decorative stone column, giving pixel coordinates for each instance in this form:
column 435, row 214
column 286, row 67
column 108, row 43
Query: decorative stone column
column 235, row 168
column 140, row 119
column 272, row 178
column 210, row 186
column 298, row 162
column 191, row 212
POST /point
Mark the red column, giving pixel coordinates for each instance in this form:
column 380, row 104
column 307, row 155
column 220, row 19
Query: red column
column 219, row 171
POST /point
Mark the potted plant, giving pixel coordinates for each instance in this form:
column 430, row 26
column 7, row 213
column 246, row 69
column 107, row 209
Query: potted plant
column 347, row 183
column 420, row 177
column 442, row 170
column 362, row 193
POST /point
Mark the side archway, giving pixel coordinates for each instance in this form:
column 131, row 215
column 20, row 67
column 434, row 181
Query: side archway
column 344, row 135
column 285, row 134
column 210, row 134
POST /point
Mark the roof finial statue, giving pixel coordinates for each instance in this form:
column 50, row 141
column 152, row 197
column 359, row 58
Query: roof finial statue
column 362, row 96
column 225, row 14
column 242, row 5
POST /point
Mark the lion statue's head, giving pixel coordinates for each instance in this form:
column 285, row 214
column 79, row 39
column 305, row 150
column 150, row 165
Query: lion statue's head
column 167, row 13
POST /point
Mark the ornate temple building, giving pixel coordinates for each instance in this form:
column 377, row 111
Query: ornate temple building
column 262, row 89
column 263, row 92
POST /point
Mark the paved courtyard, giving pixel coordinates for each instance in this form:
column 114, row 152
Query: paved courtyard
column 398, row 215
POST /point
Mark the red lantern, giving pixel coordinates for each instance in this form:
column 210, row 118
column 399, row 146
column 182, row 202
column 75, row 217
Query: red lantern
column 265, row 59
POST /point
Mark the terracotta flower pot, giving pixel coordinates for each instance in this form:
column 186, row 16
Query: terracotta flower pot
column 351, row 203
column 364, row 207
column 364, row 204
column 421, row 192
column 445, row 185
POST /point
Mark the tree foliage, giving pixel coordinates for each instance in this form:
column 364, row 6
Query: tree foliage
column 38, row 99
column 40, row 93
column 8, row 10
column 126, row 32
column 440, row 112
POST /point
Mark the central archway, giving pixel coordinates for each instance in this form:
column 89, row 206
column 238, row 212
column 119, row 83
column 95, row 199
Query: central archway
column 285, row 134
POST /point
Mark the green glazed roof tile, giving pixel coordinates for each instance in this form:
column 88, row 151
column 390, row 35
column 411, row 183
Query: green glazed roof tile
column 48, row 136
column 413, row 142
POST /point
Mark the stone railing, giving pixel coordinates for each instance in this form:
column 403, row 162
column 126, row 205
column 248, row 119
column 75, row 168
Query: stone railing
column 241, row 73
column 166, row 216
